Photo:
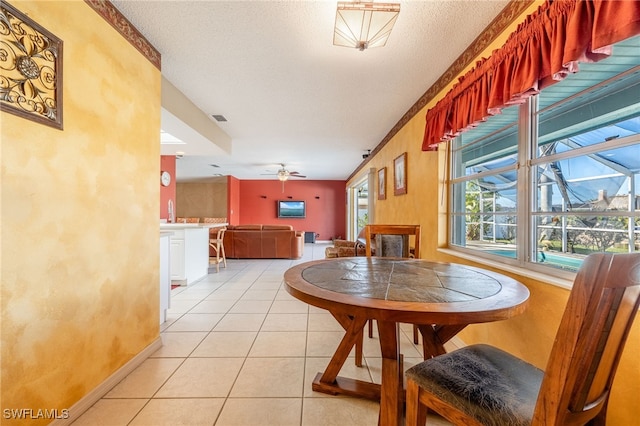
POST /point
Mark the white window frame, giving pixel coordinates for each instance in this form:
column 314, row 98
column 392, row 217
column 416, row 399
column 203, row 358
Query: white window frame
column 526, row 168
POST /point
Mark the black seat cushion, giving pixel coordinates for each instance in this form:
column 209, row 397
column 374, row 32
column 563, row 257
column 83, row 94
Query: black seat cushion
column 486, row 383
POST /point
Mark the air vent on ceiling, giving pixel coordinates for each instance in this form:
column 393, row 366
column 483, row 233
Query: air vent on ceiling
column 219, row 118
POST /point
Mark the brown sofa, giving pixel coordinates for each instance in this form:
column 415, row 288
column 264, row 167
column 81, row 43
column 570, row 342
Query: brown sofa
column 263, row 242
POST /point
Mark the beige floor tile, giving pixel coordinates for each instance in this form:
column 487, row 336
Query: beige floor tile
column 375, row 366
column 323, row 322
column 266, row 285
column 181, row 306
column 145, row 380
column 275, row 274
column 226, row 344
column 211, row 282
column 252, row 294
column 178, row 344
column 237, row 285
column 371, row 345
column 316, row 310
column 111, row 412
column 225, row 294
column 195, row 322
column 324, row 343
column 171, row 318
column 284, row 295
column 289, row 307
column 212, row 307
column 285, row 322
column 192, row 294
column 251, row 307
column 339, row 411
column 202, row 378
column 179, row 412
column 279, row 344
column 240, row 322
column 270, row 377
column 261, row 412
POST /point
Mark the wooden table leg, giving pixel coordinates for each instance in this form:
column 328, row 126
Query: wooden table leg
column 391, row 391
column 351, row 335
column 435, row 336
column 345, row 321
column 329, row 382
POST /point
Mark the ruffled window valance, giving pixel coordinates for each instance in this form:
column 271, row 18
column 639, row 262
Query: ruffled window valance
column 546, row 47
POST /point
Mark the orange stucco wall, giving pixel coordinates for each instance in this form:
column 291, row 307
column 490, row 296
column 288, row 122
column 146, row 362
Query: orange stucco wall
column 168, row 163
column 79, row 220
column 530, row 335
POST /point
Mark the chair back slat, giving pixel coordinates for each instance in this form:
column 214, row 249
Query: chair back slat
column 374, row 230
column 602, row 305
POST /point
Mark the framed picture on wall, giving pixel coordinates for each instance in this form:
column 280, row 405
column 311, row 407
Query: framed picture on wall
column 400, row 174
column 382, row 184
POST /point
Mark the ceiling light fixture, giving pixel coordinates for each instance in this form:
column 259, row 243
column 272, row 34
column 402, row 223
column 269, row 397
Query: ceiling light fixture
column 364, row 24
column 283, row 175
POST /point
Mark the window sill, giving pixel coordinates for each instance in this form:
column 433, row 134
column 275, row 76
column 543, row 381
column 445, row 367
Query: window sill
column 527, row 273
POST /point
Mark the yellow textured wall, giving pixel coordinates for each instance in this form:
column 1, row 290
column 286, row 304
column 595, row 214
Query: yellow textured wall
column 530, row 335
column 79, row 219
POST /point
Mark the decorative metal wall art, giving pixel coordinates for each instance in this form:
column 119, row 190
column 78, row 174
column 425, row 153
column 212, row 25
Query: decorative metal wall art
column 30, row 69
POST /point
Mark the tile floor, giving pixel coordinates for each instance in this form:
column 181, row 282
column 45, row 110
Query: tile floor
column 239, row 350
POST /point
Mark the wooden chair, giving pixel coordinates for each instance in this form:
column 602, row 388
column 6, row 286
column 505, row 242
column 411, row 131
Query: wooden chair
column 392, row 247
column 217, row 244
column 372, row 232
column 188, row 220
column 215, row 220
column 482, row 385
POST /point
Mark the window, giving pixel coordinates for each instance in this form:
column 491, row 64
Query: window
column 545, row 183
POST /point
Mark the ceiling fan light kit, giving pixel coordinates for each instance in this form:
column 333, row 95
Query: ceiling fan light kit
column 283, row 175
column 364, row 24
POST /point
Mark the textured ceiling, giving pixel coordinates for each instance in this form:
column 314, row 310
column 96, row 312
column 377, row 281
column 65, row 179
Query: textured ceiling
column 288, row 94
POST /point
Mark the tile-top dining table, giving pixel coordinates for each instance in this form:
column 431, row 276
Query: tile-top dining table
column 441, row 298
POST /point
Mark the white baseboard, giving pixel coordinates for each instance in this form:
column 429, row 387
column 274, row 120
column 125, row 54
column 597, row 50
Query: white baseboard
column 101, row 390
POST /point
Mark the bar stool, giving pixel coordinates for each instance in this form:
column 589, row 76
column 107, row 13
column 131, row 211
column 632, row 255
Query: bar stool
column 218, row 247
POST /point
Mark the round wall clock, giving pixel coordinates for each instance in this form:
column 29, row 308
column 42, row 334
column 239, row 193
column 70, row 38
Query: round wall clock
column 165, row 178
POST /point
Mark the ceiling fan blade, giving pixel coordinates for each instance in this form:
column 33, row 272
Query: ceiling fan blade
column 296, row 175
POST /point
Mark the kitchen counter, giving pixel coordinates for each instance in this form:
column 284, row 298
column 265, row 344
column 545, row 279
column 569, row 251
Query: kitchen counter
column 189, row 253
column 172, row 226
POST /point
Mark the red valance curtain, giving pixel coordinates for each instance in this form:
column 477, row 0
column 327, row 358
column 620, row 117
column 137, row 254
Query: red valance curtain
column 546, row 47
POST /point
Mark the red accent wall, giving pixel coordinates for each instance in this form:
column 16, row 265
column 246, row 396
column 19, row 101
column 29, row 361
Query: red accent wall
column 325, row 200
column 233, row 200
column 168, row 163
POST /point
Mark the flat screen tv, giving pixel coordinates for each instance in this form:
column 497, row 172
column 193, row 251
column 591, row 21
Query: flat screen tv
column 290, row 208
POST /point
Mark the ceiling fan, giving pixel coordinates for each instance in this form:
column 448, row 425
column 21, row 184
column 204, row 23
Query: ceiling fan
column 283, row 175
